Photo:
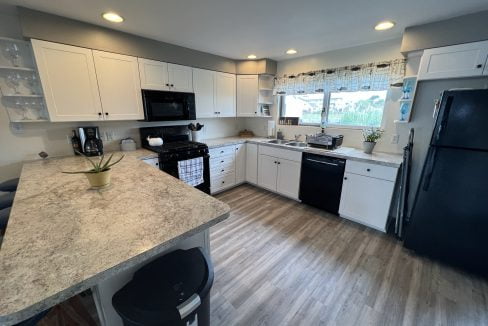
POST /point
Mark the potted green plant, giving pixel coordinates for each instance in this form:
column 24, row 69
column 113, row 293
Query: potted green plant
column 370, row 137
column 99, row 175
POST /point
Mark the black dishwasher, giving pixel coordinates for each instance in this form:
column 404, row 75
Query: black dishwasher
column 321, row 181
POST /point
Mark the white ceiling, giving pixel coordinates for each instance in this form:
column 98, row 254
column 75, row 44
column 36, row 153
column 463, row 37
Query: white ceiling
column 267, row 28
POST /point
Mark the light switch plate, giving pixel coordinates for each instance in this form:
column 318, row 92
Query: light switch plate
column 395, row 139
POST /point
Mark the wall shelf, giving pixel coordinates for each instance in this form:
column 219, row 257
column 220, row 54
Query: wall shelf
column 21, row 95
column 8, row 39
column 17, row 68
column 24, row 121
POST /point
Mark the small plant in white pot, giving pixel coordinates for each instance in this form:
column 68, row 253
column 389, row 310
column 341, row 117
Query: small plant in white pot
column 99, row 175
column 370, row 137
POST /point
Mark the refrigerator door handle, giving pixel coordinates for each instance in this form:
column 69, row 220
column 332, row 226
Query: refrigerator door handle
column 429, row 168
column 445, row 117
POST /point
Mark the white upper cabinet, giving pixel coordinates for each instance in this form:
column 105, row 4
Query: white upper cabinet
column 247, row 95
column 162, row 76
column 119, row 86
column 68, row 81
column 180, row 78
column 225, row 94
column 204, row 87
column 455, row 61
column 154, row 74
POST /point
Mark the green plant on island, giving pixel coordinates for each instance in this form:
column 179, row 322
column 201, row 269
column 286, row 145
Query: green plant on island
column 98, row 166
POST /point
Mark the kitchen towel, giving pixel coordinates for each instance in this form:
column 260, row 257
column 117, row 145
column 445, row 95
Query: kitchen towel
column 191, row 171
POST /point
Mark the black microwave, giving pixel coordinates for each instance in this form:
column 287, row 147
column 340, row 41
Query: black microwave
column 168, row 106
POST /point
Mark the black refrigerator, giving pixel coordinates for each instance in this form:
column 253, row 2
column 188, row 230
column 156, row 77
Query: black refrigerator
column 449, row 218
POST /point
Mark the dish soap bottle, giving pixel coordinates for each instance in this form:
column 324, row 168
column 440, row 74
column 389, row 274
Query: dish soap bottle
column 323, row 120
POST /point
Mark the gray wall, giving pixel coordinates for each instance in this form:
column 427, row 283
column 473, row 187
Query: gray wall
column 43, row 26
column 422, row 120
column 48, row 27
column 462, row 29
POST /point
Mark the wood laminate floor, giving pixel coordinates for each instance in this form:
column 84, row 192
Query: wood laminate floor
column 279, row 262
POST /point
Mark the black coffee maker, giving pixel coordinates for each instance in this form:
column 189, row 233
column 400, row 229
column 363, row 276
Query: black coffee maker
column 91, row 144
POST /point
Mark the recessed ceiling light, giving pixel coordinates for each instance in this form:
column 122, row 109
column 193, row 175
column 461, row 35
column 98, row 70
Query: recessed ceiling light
column 291, row 51
column 251, row 56
column 382, row 26
column 112, row 17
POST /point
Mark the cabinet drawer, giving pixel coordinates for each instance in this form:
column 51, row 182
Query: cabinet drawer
column 222, row 170
column 372, row 170
column 222, row 182
column 281, row 153
column 215, row 162
column 221, row 151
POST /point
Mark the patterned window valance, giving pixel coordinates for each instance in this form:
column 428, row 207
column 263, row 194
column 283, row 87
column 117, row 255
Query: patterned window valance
column 371, row 76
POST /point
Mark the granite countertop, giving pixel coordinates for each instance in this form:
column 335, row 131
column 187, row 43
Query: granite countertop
column 63, row 238
column 348, row 153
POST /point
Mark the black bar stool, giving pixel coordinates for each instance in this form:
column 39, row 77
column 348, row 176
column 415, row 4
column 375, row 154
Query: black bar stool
column 9, row 185
column 6, row 199
column 4, row 215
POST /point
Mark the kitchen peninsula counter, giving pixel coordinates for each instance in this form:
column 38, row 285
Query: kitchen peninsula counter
column 63, row 238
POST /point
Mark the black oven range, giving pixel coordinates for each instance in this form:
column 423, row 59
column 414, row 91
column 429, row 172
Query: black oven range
column 176, row 148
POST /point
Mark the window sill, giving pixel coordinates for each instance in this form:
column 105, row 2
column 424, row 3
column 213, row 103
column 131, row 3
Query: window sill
column 331, row 126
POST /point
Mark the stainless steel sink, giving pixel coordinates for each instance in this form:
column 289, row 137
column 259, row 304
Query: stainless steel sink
column 278, row 141
column 297, row 144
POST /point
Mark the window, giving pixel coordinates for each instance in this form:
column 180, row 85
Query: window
column 307, row 107
column 354, row 109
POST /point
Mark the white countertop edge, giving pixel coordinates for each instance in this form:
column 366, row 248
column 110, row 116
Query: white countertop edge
column 393, row 160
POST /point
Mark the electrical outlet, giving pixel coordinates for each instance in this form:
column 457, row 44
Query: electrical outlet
column 395, row 139
column 17, row 128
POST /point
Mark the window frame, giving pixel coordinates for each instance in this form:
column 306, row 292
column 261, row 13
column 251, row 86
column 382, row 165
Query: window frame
column 326, row 102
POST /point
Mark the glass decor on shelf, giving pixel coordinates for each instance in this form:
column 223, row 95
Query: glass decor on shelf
column 406, row 101
column 19, row 82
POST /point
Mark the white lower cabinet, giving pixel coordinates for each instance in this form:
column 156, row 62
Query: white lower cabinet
column 267, row 172
column 288, row 179
column 279, row 170
column 240, row 156
column 252, row 163
column 227, row 166
column 367, row 193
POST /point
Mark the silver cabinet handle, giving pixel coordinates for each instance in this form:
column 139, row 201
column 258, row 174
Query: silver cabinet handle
column 320, row 162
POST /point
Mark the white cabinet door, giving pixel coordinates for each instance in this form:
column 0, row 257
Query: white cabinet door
column 180, row 78
column 252, row 163
column 69, row 81
column 225, row 94
column 267, row 172
column 119, row 85
column 366, row 200
column 462, row 60
column 154, row 74
column 247, row 95
column 204, row 87
column 288, row 179
column 240, row 159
